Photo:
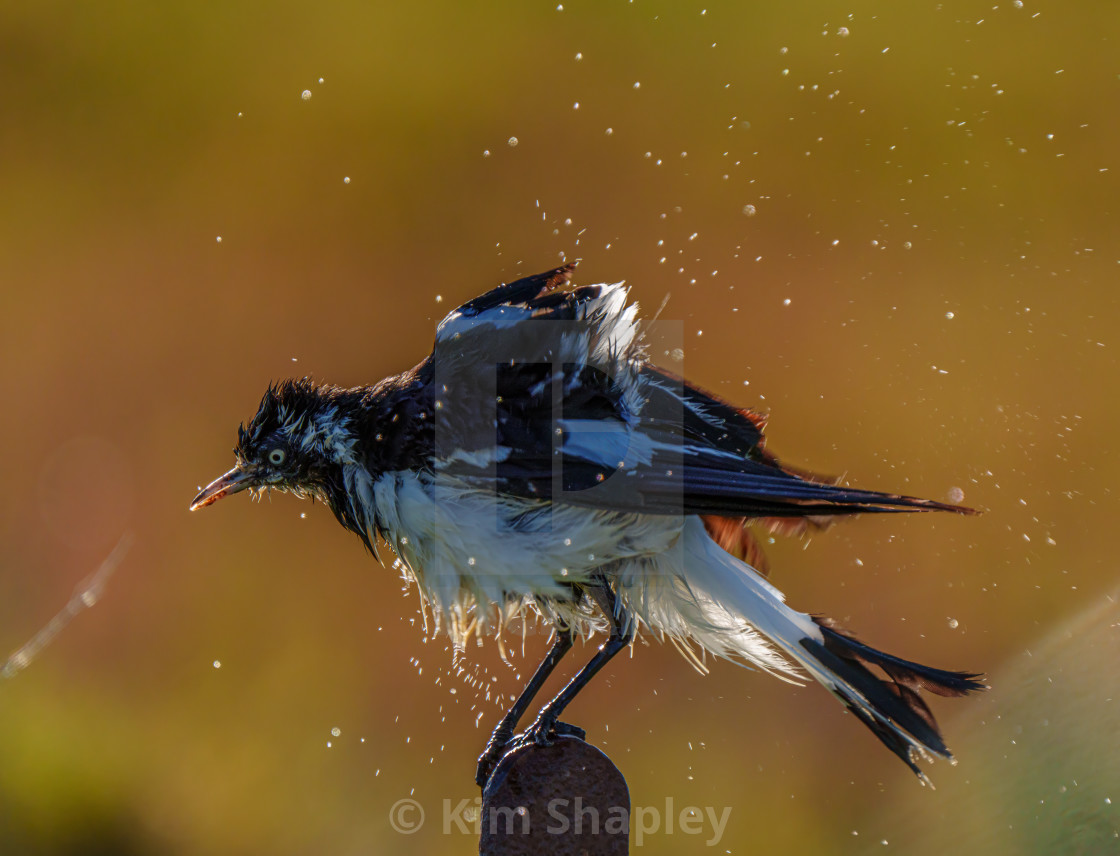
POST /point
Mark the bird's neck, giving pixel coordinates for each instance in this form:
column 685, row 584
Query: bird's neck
column 381, row 429
column 396, row 428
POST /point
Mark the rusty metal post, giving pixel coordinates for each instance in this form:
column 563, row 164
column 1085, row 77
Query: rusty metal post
column 566, row 798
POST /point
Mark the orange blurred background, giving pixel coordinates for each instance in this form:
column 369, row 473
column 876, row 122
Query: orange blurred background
column 892, row 226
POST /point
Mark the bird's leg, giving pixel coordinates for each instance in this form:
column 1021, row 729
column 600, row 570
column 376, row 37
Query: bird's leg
column 504, row 732
column 622, row 634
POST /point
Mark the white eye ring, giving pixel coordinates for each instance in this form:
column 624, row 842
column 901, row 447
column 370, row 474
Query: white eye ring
column 276, row 457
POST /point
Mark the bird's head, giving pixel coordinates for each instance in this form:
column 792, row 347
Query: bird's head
column 297, row 442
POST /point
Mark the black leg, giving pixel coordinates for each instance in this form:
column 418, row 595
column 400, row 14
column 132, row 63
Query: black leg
column 622, row 634
column 504, row 732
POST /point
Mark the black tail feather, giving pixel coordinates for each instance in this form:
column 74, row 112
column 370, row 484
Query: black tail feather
column 890, row 707
column 906, row 672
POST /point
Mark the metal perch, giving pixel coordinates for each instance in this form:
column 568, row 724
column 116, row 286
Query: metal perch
column 564, row 798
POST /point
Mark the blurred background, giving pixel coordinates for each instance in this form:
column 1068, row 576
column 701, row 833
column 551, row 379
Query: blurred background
column 891, row 226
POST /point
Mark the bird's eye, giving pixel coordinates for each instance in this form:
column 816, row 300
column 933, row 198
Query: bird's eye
column 276, row 457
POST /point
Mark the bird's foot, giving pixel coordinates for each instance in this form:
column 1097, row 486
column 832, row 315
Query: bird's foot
column 491, row 755
column 542, row 732
column 545, row 729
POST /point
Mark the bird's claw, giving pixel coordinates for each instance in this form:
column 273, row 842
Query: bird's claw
column 542, row 732
column 491, row 755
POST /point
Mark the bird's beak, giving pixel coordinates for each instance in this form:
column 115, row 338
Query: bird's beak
column 234, row 481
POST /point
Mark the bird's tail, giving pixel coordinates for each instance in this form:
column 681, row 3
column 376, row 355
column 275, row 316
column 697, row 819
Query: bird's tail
column 722, row 604
column 889, row 705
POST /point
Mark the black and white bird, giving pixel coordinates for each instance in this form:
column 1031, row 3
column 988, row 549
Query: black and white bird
column 536, row 464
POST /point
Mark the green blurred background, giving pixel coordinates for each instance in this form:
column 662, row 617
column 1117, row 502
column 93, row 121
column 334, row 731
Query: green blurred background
column 890, row 225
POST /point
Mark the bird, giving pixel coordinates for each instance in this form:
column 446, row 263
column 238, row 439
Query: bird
column 538, row 465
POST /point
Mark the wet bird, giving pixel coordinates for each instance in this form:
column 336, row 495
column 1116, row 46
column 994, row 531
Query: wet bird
column 538, row 465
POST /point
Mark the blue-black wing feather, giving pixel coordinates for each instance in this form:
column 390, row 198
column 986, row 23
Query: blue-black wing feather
column 685, row 450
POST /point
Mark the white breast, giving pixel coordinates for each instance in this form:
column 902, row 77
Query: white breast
column 468, row 550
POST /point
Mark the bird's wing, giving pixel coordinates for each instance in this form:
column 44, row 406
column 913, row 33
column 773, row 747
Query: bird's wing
column 571, row 411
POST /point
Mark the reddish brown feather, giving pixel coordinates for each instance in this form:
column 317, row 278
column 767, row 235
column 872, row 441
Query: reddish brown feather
column 735, row 536
column 561, row 276
column 757, row 419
